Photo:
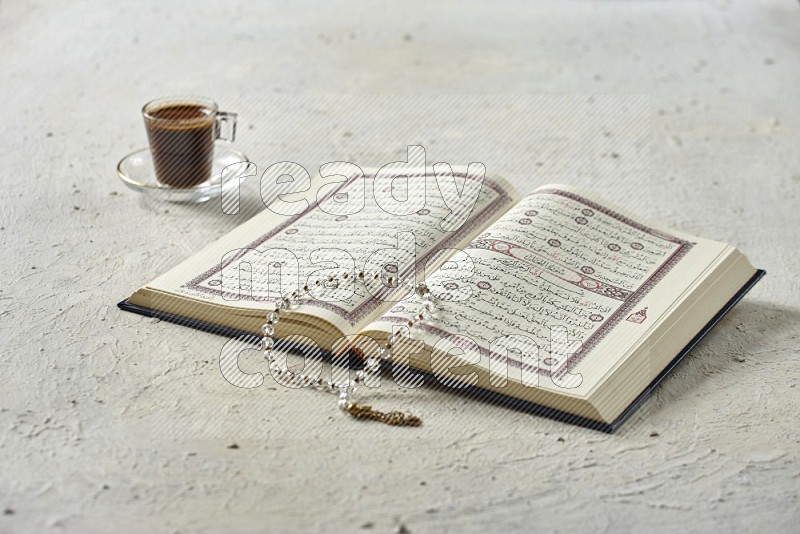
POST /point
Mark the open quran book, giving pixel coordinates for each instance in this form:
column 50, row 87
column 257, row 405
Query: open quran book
column 555, row 302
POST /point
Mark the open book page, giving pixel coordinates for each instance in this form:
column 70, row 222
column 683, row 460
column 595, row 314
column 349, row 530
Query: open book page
column 347, row 230
column 557, row 292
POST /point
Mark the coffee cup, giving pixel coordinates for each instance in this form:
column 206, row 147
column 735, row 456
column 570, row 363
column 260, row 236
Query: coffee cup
column 182, row 132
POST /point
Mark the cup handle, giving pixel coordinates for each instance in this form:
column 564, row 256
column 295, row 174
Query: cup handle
column 225, row 121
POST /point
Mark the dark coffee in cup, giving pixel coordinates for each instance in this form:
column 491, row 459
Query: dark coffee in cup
column 182, row 132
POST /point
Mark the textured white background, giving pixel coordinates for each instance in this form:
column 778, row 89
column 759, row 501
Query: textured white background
column 113, row 422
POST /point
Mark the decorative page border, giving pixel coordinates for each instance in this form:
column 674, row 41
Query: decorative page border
column 371, row 304
column 613, row 320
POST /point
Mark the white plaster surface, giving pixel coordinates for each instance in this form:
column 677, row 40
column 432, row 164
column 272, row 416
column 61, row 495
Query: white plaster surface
column 111, row 422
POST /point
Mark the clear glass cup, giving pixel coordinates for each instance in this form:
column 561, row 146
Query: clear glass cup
column 182, row 131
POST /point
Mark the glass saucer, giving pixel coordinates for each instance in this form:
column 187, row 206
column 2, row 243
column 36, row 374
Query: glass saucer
column 136, row 171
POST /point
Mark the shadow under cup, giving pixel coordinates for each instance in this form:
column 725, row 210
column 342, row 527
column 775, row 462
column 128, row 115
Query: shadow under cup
column 182, row 132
